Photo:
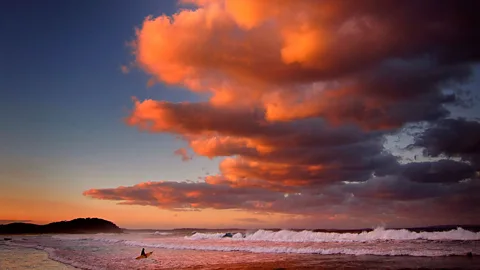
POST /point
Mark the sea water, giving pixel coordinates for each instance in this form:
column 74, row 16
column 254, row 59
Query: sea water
column 260, row 249
column 13, row 257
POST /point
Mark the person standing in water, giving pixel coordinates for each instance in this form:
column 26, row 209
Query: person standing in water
column 143, row 252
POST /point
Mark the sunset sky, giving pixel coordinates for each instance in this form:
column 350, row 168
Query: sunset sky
column 240, row 113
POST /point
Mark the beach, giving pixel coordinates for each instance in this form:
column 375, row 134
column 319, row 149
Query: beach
column 262, row 249
column 15, row 257
column 240, row 134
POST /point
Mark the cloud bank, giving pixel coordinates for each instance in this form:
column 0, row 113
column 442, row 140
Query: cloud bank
column 301, row 96
column 7, row 221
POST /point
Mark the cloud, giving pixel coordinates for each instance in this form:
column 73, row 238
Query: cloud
column 193, row 195
column 452, row 137
column 249, row 220
column 438, row 171
column 385, row 197
column 282, row 153
column 295, row 66
column 7, row 221
column 299, row 99
column 182, row 152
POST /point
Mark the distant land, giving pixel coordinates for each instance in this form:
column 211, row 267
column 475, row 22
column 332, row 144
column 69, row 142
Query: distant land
column 79, row 225
column 438, row 228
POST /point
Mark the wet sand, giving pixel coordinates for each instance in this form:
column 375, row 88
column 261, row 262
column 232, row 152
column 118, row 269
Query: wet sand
column 16, row 258
column 12, row 257
column 331, row 262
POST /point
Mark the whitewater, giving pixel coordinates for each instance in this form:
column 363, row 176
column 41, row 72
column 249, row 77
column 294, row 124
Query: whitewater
column 241, row 249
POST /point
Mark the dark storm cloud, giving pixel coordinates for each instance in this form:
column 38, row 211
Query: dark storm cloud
column 442, row 171
column 452, row 137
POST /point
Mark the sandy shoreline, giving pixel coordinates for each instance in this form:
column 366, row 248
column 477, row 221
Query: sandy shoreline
column 15, row 257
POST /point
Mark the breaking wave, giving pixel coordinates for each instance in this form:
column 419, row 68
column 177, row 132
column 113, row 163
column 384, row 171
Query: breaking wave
column 377, row 234
column 384, row 243
column 162, row 233
column 200, row 236
column 273, row 249
column 263, row 249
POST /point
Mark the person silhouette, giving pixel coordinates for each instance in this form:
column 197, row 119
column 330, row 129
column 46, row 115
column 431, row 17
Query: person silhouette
column 143, row 252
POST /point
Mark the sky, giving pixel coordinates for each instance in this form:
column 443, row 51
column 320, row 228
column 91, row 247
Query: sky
column 246, row 114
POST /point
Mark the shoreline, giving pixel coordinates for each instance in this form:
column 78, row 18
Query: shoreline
column 25, row 254
column 10, row 257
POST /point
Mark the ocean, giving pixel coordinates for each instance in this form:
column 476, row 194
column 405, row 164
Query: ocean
column 245, row 249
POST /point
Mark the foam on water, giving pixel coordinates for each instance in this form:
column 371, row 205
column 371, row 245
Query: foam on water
column 162, row 233
column 378, row 234
column 404, row 242
column 118, row 251
column 398, row 251
column 375, row 235
column 199, row 236
column 17, row 257
column 51, row 254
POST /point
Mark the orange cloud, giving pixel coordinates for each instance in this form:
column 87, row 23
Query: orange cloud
column 186, row 195
column 390, row 197
column 271, row 155
column 279, row 49
column 302, row 45
column 301, row 96
column 249, row 13
column 239, row 170
column 192, row 118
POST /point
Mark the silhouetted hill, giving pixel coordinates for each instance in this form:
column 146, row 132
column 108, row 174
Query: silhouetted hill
column 79, row 225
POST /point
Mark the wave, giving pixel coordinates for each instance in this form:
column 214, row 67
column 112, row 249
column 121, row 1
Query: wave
column 68, row 261
column 398, row 251
column 200, row 236
column 379, row 248
column 87, row 238
column 162, row 233
column 378, row 234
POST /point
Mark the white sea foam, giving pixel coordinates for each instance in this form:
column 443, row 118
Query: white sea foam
column 69, row 261
column 199, row 236
column 380, row 242
column 162, row 233
column 52, row 254
column 377, row 234
column 118, row 251
column 384, row 248
column 87, row 237
column 268, row 248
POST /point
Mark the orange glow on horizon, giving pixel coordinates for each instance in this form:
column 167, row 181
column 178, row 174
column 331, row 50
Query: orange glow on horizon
column 129, row 216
